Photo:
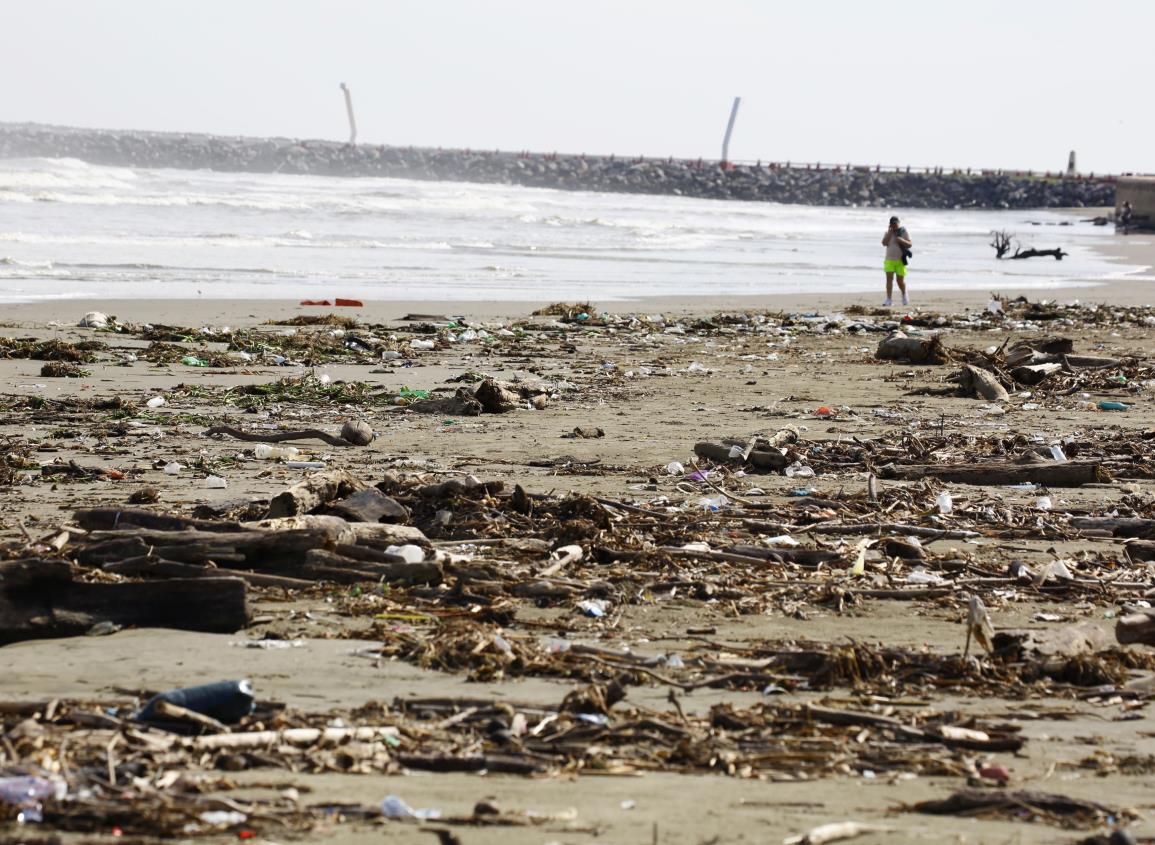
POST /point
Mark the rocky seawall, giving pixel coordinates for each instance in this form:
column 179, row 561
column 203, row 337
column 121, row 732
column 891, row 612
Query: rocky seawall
column 768, row 183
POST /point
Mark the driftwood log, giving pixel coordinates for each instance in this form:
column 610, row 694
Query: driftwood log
column 1032, row 374
column 1055, row 253
column 461, row 404
column 769, row 460
column 982, row 383
column 1067, row 474
column 496, row 398
column 39, row 599
column 916, row 350
column 284, row 436
column 316, row 490
column 1136, row 628
column 338, row 567
column 1106, row 526
column 149, row 566
column 109, row 519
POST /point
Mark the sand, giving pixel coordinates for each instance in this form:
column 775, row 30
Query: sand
column 648, row 422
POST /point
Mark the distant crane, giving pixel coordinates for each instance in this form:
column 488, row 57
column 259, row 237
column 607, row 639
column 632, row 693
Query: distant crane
column 349, row 111
column 730, row 130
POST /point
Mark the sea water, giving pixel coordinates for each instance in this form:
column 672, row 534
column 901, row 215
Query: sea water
column 74, row 230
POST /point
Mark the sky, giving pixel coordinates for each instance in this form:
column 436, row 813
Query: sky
column 980, row 84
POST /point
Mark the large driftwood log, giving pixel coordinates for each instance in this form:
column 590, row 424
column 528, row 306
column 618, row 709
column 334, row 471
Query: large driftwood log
column 495, row 398
column 108, row 519
column 278, row 436
column 316, row 490
column 155, row 567
column 982, row 383
column 1034, row 373
column 21, row 573
column 461, row 404
column 1067, row 474
column 51, row 608
column 1055, row 253
column 332, row 565
column 255, row 548
column 380, row 535
column 369, row 505
column 771, row 459
column 1115, row 526
column 1136, row 628
column 916, row 350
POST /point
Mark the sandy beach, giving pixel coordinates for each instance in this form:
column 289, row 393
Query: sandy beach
column 655, row 390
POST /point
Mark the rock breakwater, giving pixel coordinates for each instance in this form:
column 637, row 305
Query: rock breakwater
column 703, row 179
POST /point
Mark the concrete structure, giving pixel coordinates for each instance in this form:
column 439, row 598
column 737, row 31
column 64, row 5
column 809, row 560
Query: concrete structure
column 1140, row 192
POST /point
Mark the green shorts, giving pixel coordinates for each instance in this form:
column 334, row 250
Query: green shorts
column 894, row 267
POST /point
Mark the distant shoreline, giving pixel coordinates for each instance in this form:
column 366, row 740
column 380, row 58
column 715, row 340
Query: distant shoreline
column 833, row 186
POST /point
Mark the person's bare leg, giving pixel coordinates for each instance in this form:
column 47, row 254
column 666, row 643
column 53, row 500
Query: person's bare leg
column 901, row 285
column 889, row 285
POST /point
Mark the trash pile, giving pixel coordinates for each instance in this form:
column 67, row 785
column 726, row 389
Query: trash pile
column 705, row 565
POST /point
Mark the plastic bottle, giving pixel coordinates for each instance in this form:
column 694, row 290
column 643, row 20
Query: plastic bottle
column 215, row 482
column 305, row 464
column 1044, row 503
column 944, row 503
column 1058, row 454
column 1113, row 406
column 26, row 792
column 155, row 402
column 173, row 468
column 267, row 452
column 675, row 468
column 409, row 552
column 225, row 701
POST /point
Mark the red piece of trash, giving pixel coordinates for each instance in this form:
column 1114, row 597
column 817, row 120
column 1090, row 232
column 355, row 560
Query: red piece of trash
column 999, row 773
column 352, row 303
column 823, row 412
column 315, row 302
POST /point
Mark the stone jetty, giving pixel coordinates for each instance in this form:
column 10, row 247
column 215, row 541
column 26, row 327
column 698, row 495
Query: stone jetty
column 835, row 186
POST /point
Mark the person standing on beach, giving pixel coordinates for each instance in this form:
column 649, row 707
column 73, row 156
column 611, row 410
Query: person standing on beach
column 897, row 242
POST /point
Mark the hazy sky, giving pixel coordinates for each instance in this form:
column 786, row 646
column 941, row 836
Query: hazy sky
column 972, row 84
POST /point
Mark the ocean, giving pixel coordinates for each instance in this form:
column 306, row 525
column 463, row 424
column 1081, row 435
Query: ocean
column 72, row 230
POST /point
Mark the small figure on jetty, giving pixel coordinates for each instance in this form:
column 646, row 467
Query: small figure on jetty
column 897, row 243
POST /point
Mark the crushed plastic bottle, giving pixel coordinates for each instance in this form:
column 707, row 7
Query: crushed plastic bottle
column 26, row 792
column 736, row 451
column 944, row 502
column 1044, row 503
column 193, row 361
column 1058, row 454
column 417, row 343
column 155, row 402
column 594, row 608
column 675, row 468
column 393, row 807
column 173, row 468
column 225, row 701
column 712, row 504
column 408, row 552
column 268, row 452
column 799, row 470
column 215, row 482
column 223, row 818
column 919, row 575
